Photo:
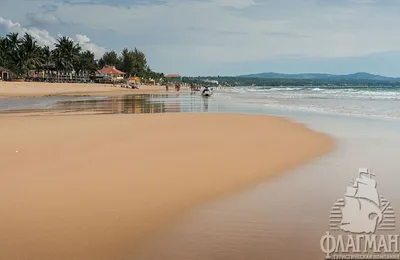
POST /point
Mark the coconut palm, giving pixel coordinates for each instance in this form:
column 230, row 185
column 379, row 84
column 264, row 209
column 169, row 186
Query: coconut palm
column 28, row 55
column 10, row 44
column 65, row 54
column 46, row 55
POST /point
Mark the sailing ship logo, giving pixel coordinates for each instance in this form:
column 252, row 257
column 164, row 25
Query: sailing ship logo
column 368, row 221
column 363, row 209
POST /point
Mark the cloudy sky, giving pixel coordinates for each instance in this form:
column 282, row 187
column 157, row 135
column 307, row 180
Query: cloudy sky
column 226, row 37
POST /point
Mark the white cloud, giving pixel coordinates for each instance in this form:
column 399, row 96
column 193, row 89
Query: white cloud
column 322, row 30
column 44, row 38
column 88, row 45
column 225, row 31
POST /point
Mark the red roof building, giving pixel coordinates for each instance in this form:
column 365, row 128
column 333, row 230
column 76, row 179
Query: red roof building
column 111, row 71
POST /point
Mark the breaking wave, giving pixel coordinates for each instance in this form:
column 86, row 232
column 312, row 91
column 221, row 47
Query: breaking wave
column 368, row 101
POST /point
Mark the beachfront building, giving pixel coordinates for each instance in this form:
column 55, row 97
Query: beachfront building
column 173, row 77
column 47, row 72
column 5, row 74
column 112, row 73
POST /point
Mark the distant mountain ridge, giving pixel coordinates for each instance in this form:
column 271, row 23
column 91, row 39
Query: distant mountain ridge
column 319, row 76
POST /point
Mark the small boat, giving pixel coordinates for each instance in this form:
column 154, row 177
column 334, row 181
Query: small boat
column 206, row 92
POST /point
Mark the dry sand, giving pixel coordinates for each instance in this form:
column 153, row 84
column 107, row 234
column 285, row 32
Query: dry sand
column 39, row 89
column 96, row 186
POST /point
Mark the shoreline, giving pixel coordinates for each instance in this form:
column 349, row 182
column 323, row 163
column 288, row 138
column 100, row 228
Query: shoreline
column 113, row 187
column 41, row 89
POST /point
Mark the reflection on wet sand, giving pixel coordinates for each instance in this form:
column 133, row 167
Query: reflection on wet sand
column 132, row 104
column 205, row 103
column 126, row 104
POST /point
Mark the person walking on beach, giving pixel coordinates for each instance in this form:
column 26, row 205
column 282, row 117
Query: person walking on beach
column 177, row 86
column 166, row 86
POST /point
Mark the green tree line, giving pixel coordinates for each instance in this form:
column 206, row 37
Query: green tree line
column 132, row 62
column 23, row 54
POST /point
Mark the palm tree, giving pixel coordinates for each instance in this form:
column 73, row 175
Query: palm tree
column 11, row 46
column 46, row 55
column 13, row 42
column 28, row 55
column 66, row 54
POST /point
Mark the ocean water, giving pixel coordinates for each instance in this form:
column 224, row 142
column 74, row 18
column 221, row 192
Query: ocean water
column 379, row 102
column 376, row 102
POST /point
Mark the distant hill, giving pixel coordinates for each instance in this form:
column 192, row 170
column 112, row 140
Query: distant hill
column 319, row 76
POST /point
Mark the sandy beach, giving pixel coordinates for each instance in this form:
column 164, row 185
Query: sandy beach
column 39, row 89
column 96, row 186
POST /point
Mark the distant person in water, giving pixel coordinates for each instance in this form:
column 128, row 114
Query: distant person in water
column 177, row 86
column 166, row 86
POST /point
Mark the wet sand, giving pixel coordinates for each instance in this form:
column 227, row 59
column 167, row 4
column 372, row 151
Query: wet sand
column 40, row 89
column 96, row 186
column 286, row 217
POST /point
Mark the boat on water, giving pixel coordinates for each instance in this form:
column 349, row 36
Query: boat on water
column 206, row 92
